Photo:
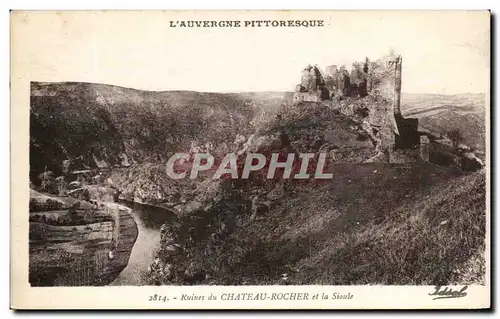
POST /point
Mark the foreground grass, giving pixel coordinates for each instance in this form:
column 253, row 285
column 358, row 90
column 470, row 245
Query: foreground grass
column 438, row 240
column 374, row 224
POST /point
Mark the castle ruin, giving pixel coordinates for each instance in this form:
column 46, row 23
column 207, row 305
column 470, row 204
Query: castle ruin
column 399, row 138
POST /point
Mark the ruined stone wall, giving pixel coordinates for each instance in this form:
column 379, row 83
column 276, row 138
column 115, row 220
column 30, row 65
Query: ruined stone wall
column 400, row 136
column 379, row 114
column 331, row 70
column 306, row 97
column 424, row 148
column 383, row 85
column 382, row 77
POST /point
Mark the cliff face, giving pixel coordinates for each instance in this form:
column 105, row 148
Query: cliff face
column 73, row 244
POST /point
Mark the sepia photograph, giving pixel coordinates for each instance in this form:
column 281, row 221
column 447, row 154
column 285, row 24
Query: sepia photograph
column 263, row 149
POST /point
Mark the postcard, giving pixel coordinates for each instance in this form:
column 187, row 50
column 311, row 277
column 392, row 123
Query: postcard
column 250, row 160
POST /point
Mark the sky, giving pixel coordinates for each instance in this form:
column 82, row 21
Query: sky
column 443, row 52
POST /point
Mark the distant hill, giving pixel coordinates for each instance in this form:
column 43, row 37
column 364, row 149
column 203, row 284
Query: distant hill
column 471, row 125
column 97, row 123
column 415, row 103
column 443, row 113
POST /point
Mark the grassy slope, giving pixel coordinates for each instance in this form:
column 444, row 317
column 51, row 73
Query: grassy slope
column 373, row 224
column 426, row 240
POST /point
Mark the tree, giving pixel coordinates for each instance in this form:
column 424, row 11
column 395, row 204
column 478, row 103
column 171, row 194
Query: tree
column 48, row 182
column 456, row 136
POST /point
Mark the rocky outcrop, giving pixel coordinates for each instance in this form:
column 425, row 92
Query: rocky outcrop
column 78, row 244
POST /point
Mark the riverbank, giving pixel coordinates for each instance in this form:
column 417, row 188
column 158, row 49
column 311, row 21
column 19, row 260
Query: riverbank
column 149, row 219
column 74, row 243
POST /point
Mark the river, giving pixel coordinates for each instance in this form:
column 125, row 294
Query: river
column 149, row 220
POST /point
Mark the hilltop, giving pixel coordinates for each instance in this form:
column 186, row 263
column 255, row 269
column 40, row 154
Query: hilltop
column 414, row 103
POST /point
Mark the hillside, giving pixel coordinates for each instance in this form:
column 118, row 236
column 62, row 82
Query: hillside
column 444, row 113
column 97, row 124
column 432, row 236
column 472, row 127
